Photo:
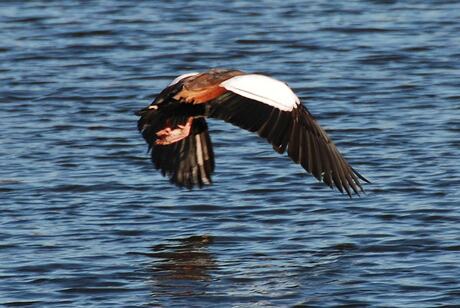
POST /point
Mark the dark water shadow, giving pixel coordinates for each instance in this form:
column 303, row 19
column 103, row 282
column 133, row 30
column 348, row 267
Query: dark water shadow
column 182, row 267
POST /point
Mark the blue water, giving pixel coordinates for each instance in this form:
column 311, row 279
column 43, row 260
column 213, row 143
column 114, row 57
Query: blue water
column 86, row 221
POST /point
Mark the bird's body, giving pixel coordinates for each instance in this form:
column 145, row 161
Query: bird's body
column 175, row 128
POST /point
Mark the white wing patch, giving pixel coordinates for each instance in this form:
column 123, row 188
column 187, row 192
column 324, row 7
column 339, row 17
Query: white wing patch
column 177, row 79
column 263, row 89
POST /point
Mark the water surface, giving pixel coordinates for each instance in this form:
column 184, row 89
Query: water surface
column 87, row 221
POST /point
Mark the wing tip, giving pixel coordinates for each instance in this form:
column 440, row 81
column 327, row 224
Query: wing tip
column 360, row 176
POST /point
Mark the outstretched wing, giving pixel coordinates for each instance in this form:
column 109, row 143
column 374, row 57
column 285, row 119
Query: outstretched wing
column 269, row 107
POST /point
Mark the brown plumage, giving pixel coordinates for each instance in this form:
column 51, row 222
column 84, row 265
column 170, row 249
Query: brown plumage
column 175, row 128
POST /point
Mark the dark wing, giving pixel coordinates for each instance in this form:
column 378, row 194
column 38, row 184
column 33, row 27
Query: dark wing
column 296, row 130
column 188, row 162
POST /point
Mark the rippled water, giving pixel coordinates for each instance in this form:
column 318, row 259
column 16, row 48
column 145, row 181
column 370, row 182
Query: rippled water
column 87, row 221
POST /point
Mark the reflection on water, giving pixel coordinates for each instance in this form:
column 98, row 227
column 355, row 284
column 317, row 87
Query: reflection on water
column 182, row 266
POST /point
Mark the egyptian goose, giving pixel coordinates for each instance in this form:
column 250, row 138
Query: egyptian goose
column 175, row 128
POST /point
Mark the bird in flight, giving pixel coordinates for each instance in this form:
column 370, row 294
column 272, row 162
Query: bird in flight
column 174, row 127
